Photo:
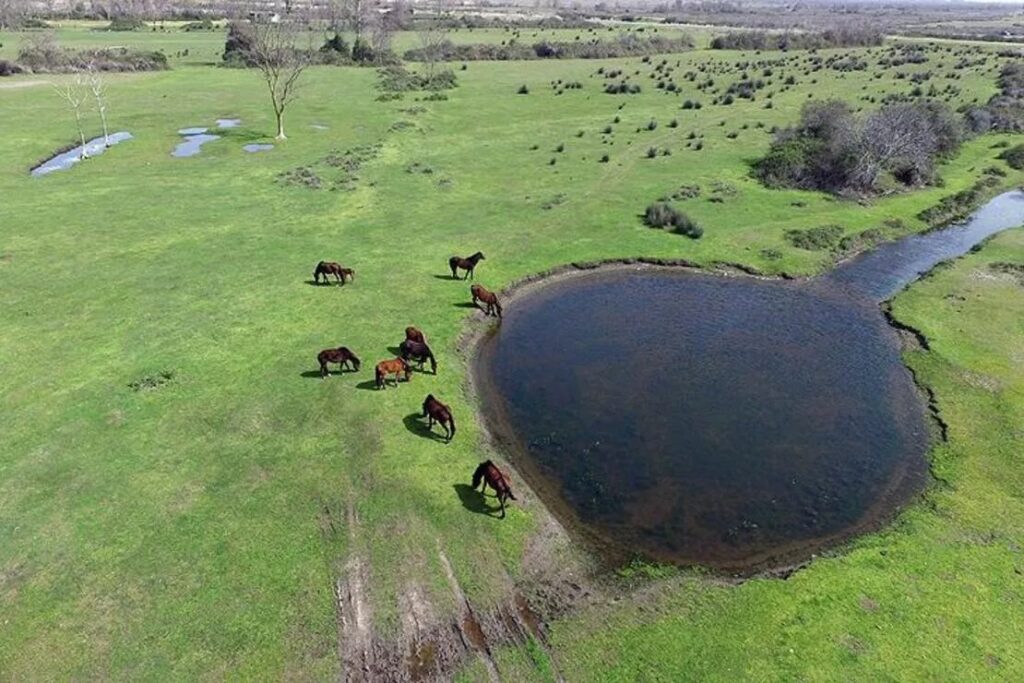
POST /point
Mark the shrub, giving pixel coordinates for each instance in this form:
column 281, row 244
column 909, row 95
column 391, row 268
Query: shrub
column 523, row 90
column 825, row 237
column 125, row 24
column 1014, row 157
column 664, row 215
column 9, row 68
column 652, row 152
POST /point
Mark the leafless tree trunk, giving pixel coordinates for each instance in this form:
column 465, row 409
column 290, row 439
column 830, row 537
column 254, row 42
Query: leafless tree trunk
column 98, row 88
column 75, row 93
column 281, row 62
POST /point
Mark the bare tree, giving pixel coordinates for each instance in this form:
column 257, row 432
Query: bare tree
column 433, row 32
column 281, row 62
column 98, row 88
column 354, row 13
column 75, row 94
column 10, row 13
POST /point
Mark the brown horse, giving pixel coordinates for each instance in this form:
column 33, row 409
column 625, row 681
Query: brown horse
column 415, row 334
column 396, row 367
column 327, row 268
column 410, row 350
column 480, row 293
column 490, row 475
column 341, row 355
column 435, row 411
column 467, row 264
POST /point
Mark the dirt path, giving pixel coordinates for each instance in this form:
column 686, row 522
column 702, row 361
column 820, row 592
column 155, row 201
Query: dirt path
column 15, row 85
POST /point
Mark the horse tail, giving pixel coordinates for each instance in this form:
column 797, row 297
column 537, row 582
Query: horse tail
column 497, row 306
column 451, row 421
column 479, row 473
column 509, row 490
column 433, row 361
column 453, row 263
column 378, row 375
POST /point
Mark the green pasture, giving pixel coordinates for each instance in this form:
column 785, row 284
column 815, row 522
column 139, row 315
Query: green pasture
column 195, row 528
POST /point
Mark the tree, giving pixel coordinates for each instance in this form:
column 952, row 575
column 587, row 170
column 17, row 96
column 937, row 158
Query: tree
column 274, row 52
column 75, row 94
column 11, row 13
column 98, row 88
column 433, row 35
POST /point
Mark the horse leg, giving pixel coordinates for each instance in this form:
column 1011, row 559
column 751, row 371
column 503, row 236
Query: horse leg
column 501, row 502
column 323, row 371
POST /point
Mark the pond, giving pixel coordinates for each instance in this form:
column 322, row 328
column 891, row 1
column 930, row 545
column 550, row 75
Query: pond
column 731, row 422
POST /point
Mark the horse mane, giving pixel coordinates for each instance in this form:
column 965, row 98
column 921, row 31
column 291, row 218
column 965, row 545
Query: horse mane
column 479, row 473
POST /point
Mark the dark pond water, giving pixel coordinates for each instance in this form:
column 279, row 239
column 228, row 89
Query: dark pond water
column 881, row 273
column 66, row 160
column 725, row 421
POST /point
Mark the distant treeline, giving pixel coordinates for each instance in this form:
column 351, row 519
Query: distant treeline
column 626, row 45
column 765, row 40
column 567, row 20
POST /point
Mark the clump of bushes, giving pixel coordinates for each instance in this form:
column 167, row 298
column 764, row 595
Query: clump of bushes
column 624, row 45
column 1014, row 157
column 763, row 40
column 43, row 55
column 665, row 216
column 396, row 78
column 9, row 68
column 822, row 238
column 125, row 24
column 833, row 150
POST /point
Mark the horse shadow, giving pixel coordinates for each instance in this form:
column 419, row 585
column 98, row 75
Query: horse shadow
column 395, row 350
column 415, row 423
column 473, row 500
column 368, row 385
column 314, row 283
column 446, row 277
column 466, row 304
column 330, row 373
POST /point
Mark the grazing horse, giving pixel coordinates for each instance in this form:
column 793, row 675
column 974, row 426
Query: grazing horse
column 491, row 476
column 418, row 352
column 396, row 367
column 415, row 334
column 327, row 268
column 466, row 264
column 480, row 293
column 435, row 411
column 341, row 355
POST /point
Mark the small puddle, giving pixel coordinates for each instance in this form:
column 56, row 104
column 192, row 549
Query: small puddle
column 66, row 160
column 257, row 148
column 196, row 137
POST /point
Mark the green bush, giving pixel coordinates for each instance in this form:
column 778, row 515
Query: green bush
column 1014, row 157
column 822, row 238
column 664, row 215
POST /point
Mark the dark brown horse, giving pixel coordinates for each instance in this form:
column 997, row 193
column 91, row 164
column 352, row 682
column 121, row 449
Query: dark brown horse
column 396, row 367
column 410, row 350
column 480, row 293
column 415, row 334
column 435, row 411
column 328, row 268
column 490, row 475
column 467, row 264
column 341, row 355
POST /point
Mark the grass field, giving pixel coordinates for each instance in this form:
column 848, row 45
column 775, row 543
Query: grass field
column 201, row 528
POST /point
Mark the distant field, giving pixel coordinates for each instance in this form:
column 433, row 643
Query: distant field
column 182, row 497
column 205, row 47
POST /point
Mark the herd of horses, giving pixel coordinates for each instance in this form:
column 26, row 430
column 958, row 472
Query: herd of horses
column 414, row 349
